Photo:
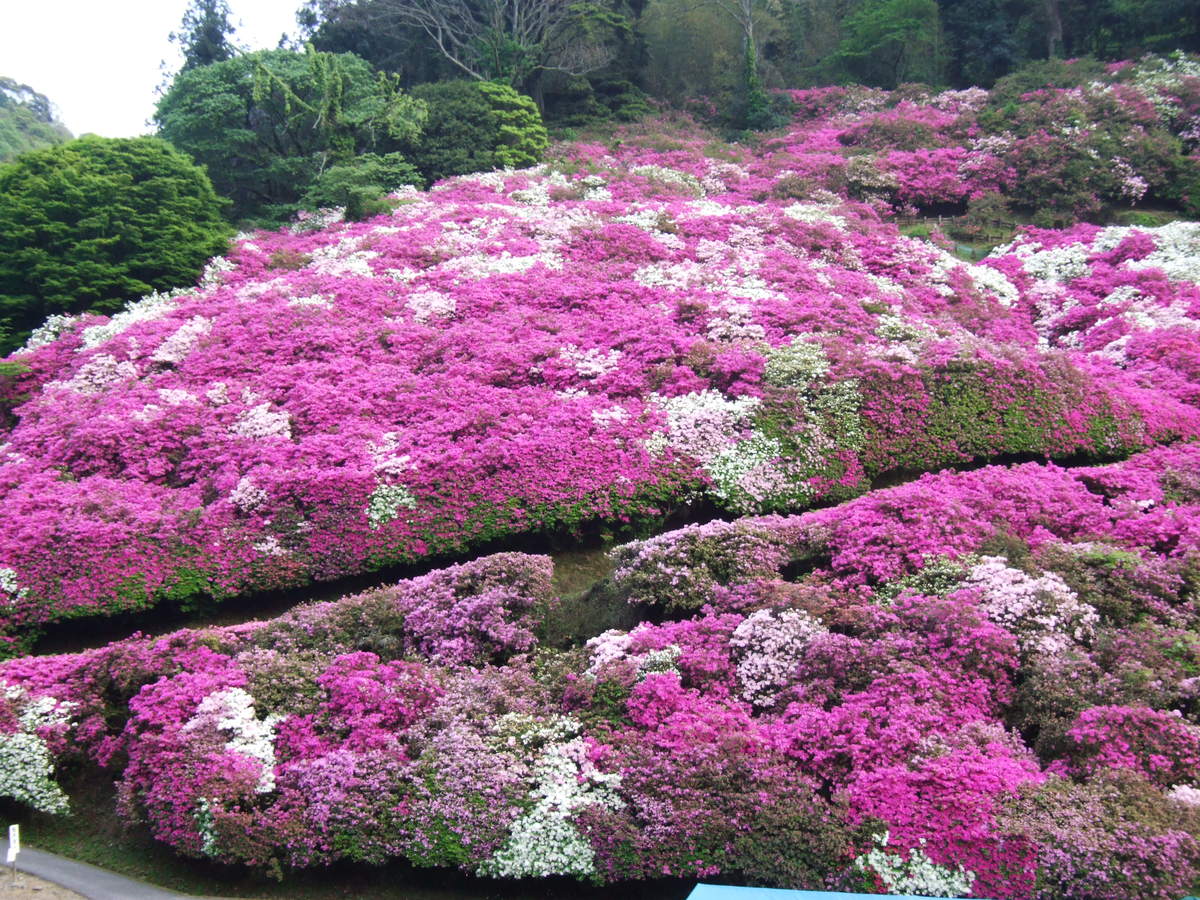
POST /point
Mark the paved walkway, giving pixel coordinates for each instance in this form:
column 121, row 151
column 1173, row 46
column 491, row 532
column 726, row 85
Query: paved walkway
column 91, row 881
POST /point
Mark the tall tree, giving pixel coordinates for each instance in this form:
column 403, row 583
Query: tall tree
column 205, row 33
column 753, row 110
column 346, row 27
column 886, row 42
column 514, row 41
column 1052, row 15
column 982, row 39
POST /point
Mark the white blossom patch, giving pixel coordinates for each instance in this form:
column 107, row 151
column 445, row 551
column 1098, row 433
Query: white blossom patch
column 11, row 586
column 591, row 363
column 214, row 272
column 385, row 456
column 263, row 421
column 311, row 301
column 232, row 711
column 386, row 502
column 270, row 546
column 701, row 424
column 603, row 418
column 1044, row 614
column 914, row 872
column 814, row 213
column 147, row 309
column 49, row 331
column 996, row 283
column 183, row 341
column 798, row 363
column 1187, row 794
column 26, row 764
column 98, row 374
column 247, row 496
column 768, row 647
column 613, row 646
column 425, row 305
column 543, row 841
column 748, row 474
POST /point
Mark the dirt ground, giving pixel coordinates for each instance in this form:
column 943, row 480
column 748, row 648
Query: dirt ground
column 26, row 887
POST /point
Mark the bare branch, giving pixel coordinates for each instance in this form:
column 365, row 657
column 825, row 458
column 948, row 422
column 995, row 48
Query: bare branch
column 545, row 34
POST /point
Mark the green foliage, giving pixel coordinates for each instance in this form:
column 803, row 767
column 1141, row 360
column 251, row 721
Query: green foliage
column 579, row 101
column 359, row 184
column 26, row 120
column 694, row 53
column 1047, row 73
column 204, row 34
column 756, row 105
column 887, row 42
column 983, row 38
column 340, row 27
column 93, row 223
column 475, row 126
column 267, row 124
column 1183, row 187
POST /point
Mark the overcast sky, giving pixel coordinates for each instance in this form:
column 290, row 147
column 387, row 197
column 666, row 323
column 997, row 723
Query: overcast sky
column 99, row 60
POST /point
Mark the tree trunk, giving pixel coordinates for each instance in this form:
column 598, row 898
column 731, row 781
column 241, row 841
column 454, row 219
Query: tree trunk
column 1054, row 28
column 536, row 89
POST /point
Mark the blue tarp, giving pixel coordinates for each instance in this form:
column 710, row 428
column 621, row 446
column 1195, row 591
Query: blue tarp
column 728, row 892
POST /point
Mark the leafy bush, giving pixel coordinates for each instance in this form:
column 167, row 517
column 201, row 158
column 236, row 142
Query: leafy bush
column 476, row 126
column 1049, row 73
column 359, row 184
column 93, row 223
column 267, row 124
column 582, row 101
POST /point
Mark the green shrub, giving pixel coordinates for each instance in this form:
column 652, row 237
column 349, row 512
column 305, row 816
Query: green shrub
column 266, row 124
column 93, row 223
column 1184, row 185
column 359, row 184
column 1055, row 73
column 581, row 102
column 476, row 126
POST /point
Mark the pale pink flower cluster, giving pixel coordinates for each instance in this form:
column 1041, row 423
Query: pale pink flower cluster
column 768, row 647
column 1046, row 616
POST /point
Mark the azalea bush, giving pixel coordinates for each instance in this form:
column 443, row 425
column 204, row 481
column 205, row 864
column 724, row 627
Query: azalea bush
column 1063, row 141
column 850, row 725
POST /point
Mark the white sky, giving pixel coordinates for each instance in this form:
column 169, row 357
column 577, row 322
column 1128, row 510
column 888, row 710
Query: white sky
column 98, row 61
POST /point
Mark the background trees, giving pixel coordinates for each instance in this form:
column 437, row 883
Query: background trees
column 95, row 222
column 513, row 41
column 887, row 42
column 27, row 120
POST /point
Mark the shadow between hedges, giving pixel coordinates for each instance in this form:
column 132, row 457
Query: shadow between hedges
column 581, row 570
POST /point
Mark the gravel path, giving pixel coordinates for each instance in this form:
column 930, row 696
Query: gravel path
column 29, row 887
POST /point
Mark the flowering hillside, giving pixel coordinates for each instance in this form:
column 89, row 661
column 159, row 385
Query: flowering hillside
column 528, row 351
column 975, row 684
